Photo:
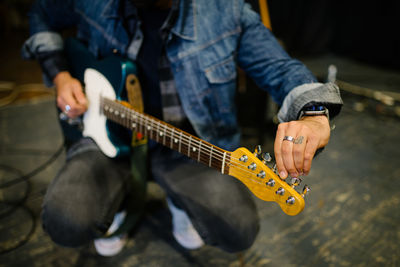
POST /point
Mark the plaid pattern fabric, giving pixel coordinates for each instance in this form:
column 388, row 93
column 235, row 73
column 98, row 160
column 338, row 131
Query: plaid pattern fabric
column 172, row 111
column 171, row 106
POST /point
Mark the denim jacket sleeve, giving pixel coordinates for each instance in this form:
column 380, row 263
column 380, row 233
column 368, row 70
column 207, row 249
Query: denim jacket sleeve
column 287, row 80
column 46, row 19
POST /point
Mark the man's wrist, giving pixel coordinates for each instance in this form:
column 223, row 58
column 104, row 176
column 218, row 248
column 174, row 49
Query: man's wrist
column 53, row 63
column 314, row 110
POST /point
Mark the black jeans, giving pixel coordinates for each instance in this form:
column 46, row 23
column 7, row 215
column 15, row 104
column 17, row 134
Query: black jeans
column 81, row 201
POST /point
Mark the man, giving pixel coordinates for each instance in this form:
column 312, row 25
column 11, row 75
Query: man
column 186, row 52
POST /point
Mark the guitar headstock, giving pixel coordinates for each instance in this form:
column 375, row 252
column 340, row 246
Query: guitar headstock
column 264, row 182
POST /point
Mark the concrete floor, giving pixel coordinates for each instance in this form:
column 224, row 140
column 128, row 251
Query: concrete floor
column 352, row 216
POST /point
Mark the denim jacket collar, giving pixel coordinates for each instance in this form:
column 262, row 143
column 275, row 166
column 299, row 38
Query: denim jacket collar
column 185, row 26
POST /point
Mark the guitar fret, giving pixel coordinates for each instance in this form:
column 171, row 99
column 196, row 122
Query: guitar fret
column 165, row 135
column 198, row 156
column 142, row 128
column 172, row 138
column 159, row 131
column 209, row 164
column 180, row 142
column 223, row 163
column 190, row 140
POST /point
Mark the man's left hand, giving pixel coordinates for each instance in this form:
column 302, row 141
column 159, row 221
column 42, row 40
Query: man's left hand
column 296, row 143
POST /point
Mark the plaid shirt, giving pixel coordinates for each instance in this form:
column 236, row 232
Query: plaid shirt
column 172, row 111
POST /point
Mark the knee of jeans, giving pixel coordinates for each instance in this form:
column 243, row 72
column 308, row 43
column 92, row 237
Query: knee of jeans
column 241, row 235
column 69, row 228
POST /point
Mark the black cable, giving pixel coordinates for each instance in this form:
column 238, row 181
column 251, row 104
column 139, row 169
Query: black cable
column 14, row 204
column 20, row 204
column 35, row 171
column 27, row 237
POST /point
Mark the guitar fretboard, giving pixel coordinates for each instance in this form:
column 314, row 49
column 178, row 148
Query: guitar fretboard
column 167, row 135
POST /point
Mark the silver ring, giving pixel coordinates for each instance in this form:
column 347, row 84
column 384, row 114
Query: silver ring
column 67, row 109
column 288, row 138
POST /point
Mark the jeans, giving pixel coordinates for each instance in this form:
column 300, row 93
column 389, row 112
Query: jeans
column 81, row 201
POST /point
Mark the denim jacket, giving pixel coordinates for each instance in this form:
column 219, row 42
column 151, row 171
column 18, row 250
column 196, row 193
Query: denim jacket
column 208, row 41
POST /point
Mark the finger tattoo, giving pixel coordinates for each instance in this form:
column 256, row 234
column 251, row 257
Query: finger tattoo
column 299, row 140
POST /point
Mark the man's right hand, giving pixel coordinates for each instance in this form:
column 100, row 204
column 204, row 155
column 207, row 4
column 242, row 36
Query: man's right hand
column 70, row 97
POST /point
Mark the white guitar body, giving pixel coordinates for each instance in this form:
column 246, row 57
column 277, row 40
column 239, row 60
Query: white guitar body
column 94, row 121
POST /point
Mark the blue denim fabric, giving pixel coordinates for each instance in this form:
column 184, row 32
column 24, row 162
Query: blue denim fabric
column 82, row 199
column 208, row 41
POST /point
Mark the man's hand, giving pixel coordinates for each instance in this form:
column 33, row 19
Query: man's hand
column 70, row 97
column 295, row 157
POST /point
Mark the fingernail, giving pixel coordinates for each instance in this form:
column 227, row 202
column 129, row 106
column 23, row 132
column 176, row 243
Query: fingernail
column 293, row 174
column 282, row 174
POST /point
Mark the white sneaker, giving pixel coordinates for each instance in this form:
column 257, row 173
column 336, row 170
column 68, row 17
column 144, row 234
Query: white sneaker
column 111, row 246
column 183, row 229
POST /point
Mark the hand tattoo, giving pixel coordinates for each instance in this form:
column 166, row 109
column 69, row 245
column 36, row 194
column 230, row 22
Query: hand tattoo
column 299, row 140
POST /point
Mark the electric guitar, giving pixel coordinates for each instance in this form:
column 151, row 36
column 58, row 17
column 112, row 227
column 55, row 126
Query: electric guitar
column 105, row 82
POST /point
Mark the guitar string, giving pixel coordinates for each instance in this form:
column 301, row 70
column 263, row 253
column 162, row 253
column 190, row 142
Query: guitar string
column 166, row 127
column 141, row 121
column 247, row 173
column 144, row 118
column 242, row 166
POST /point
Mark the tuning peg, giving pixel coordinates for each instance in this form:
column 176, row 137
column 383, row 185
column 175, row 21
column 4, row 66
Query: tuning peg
column 257, row 151
column 306, row 189
column 243, row 158
column 266, row 157
column 252, row 166
column 290, row 200
column 275, row 169
column 280, row 191
column 295, row 181
column 271, row 183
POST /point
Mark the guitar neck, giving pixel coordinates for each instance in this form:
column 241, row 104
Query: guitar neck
column 167, row 135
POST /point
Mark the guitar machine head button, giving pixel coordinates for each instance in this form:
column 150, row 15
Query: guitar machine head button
column 295, row 181
column 280, row 191
column 290, row 200
column 266, row 157
column 257, row 151
column 271, row 183
column 306, row 189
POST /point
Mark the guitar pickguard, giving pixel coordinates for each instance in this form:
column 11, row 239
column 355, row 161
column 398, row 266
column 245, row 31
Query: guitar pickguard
column 99, row 77
column 94, row 121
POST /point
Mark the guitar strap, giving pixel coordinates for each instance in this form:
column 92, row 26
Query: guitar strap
column 137, row 198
